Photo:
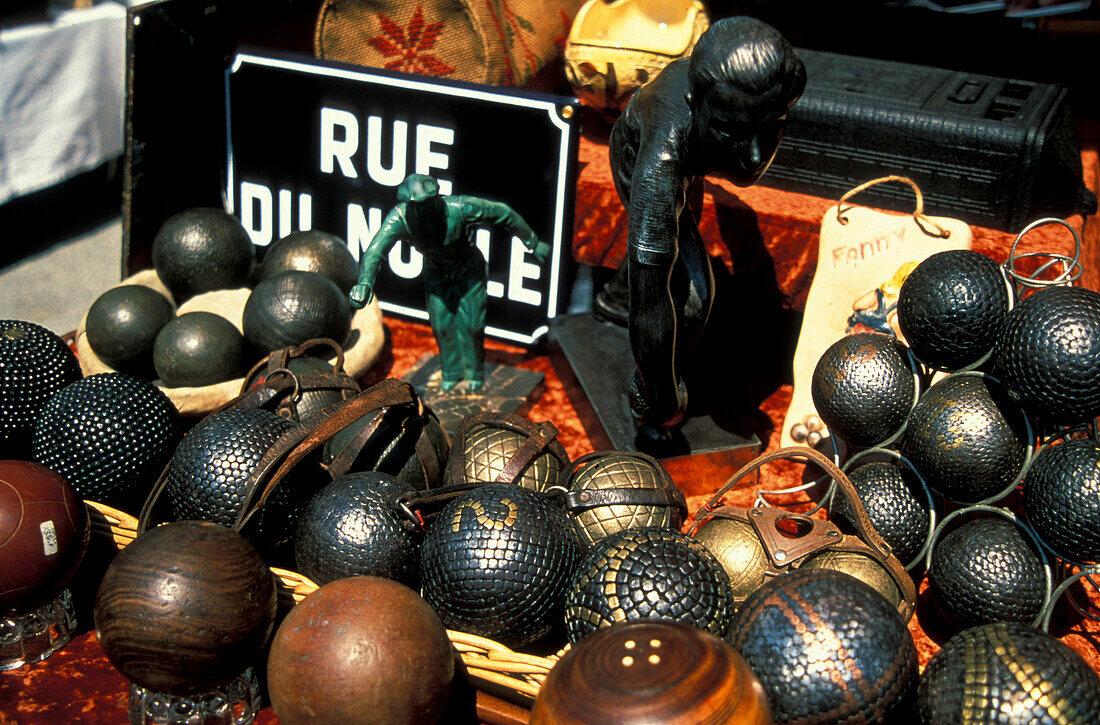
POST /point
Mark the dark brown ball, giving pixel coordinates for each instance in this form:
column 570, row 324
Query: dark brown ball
column 44, row 533
column 496, row 562
column 636, row 673
column 967, row 438
column 361, row 650
column 863, row 387
column 293, row 307
column 1048, row 354
column 198, row 349
column 951, row 308
column 185, row 607
column 312, row 251
column 1062, row 498
column 35, row 363
column 827, row 649
column 652, row 573
column 200, row 250
column 1009, row 674
column 123, row 323
column 986, row 571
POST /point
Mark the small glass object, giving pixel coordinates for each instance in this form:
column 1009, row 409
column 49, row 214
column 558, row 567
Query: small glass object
column 33, row 636
column 234, row 703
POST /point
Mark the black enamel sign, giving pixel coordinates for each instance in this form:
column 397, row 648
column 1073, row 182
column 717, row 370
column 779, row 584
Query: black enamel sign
column 316, row 145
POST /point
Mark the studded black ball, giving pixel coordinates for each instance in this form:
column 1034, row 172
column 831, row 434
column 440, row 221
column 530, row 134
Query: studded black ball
column 354, row 527
column 651, row 573
column 408, row 443
column 109, row 435
column 896, row 505
column 827, row 649
column 496, row 562
column 1048, row 354
column 1062, row 498
column 986, row 571
column 1009, row 674
column 35, row 363
column 951, row 307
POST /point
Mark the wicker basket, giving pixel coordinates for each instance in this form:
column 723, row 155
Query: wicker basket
column 513, row 675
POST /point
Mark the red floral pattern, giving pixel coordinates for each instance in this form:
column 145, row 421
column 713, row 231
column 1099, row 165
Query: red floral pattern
column 410, row 47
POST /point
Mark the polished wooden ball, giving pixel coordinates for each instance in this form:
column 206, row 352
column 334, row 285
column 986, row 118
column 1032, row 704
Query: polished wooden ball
column 185, row 607
column 361, row 650
column 637, row 673
column 44, row 533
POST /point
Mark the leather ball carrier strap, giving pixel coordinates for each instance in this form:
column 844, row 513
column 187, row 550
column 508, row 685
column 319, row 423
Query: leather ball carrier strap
column 583, row 499
column 789, row 538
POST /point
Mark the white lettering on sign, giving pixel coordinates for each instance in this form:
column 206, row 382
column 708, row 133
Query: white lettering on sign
column 519, row 269
column 851, row 255
column 339, row 143
column 405, row 261
column 362, row 227
column 49, row 538
column 259, row 210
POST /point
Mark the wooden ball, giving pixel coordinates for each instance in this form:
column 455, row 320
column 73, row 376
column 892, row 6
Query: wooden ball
column 360, row 650
column 649, row 672
column 44, row 532
column 187, row 606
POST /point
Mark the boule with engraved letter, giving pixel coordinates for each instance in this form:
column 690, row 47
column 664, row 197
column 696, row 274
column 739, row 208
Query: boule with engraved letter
column 355, row 526
column 122, row 325
column 1008, row 673
column 754, row 545
column 44, row 534
column 986, row 570
column 185, row 607
column 496, row 562
column 863, row 387
column 1048, row 354
column 361, row 650
column 197, row 349
column 292, row 307
column 951, row 308
column 35, row 363
column 644, row 672
column 505, row 448
column 827, row 648
column 1062, row 498
column 967, row 438
column 108, row 435
column 200, row 250
column 609, row 491
column 654, row 573
column 312, row 251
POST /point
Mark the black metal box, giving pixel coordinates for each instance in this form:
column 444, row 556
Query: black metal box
column 990, row 151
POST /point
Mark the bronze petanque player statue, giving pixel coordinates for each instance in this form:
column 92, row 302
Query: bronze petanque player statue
column 442, row 229
column 720, row 111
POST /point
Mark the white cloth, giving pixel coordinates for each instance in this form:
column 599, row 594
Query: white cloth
column 62, row 88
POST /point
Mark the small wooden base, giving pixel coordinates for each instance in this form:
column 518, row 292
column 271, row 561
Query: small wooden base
column 596, row 356
column 506, row 390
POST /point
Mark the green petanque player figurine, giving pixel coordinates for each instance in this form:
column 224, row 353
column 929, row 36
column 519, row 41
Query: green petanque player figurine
column 442, row 229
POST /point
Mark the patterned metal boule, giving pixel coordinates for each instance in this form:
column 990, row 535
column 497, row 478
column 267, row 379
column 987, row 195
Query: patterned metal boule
column 600, row 495
column 653, row 573
column 34, row 364
column 404, row 441
column 1009, row 674
column 951, row 307
column 496, row 562
column 864, row 387
column 827, row 649
column 986, row 571
column 1048, row 354
column 312, row 251
column 353, row 526
column 293, row 307
column 967, row 439
column 739, row 550
column 890, row 498
column 858, row 566
column 487, row 447
column 108, row 435
column 1062, row 498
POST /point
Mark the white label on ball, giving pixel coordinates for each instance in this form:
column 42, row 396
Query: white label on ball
column 49, row 537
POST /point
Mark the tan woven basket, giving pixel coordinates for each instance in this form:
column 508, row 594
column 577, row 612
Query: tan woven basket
column 488, row 663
